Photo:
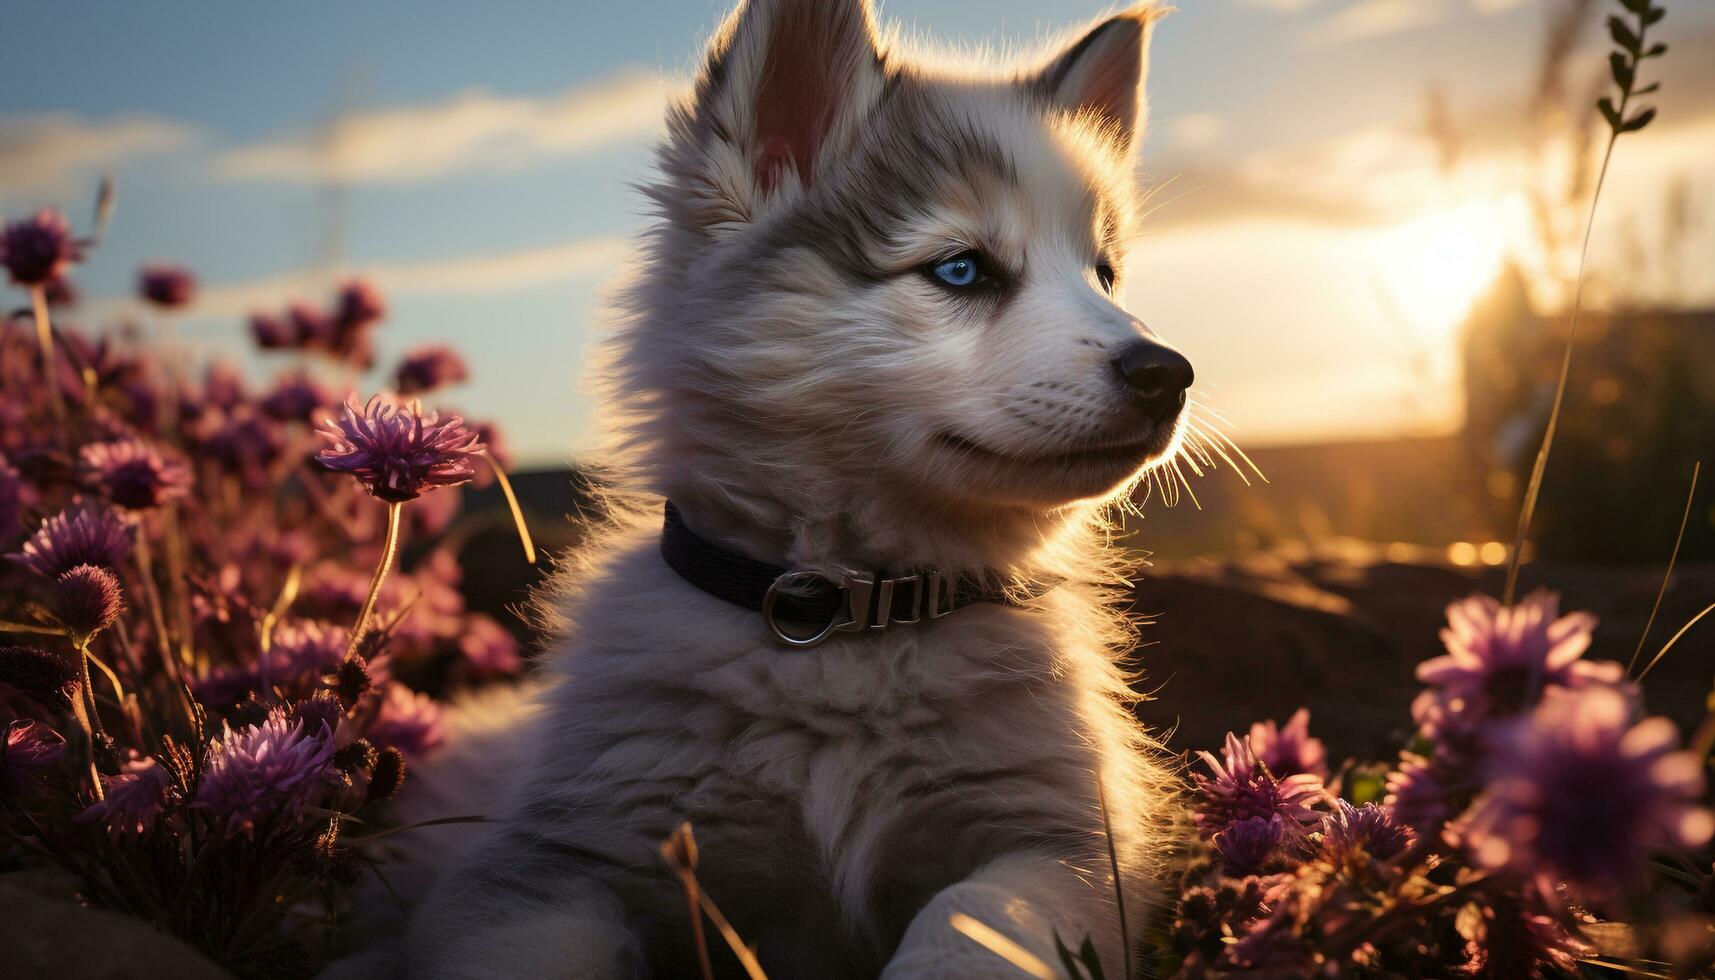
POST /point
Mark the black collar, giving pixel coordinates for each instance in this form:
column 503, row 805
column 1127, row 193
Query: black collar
column 804, row 608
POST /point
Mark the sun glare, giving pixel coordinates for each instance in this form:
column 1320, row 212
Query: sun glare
column 1434, row 267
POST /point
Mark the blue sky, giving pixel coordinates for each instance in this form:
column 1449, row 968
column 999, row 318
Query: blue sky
column 482, row 162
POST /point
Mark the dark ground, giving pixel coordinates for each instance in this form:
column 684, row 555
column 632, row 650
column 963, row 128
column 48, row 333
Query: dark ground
column 1338, row 627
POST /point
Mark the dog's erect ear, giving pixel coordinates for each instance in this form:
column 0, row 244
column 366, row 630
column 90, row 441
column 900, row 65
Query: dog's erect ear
column 1103, row 73
column 788, row 80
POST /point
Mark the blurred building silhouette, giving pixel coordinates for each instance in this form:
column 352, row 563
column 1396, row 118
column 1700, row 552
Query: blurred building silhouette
column 1639, row 411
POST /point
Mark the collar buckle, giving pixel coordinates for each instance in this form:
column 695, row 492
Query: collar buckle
column 867, row 603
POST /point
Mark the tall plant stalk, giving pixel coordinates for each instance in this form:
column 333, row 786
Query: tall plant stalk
column 389, row 551
column 1623, row 64
column 50, row 364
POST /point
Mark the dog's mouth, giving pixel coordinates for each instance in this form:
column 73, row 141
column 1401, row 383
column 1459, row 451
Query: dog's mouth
column 1107, row 456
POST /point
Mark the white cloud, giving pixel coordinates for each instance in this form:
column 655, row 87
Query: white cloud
column 472, row 132
column 1375, row 18
column 1282, row 6
column 1195, row 131
column 1497, row 6
column 41, row 155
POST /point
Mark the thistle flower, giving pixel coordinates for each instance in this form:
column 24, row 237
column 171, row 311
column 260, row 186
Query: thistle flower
column 387, row 776
column 358, row 308
column 398, row 453
column 132, row 473
column 28, row 754
column 427, row 368
column 271, row 332
column 223, row 385
column 322, row 710
column 1288, row 750
column 71, row 538
column 408, row 721
column 87, row 600
column 1370, row 829
column 1581, row 792
column 295, row 398
column 242, row 441
column 1416, row 795
column 1505, row 936
column 304, row 650
column 1240, row 788
column 1245, row 846
column 264, row 770
column 134, row 800
column 167, row 286
column 359, row 305
column 1495, row 654
column 489, row 649
column 309, row 328
column 36, row 250
column 38, row 675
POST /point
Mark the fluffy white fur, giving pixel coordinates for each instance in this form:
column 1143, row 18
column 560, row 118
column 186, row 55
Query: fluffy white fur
column 786, row 369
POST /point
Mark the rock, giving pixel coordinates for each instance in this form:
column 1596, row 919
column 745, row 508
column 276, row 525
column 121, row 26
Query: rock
column 47, row 935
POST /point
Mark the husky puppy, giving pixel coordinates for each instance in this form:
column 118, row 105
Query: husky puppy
column 873, row 328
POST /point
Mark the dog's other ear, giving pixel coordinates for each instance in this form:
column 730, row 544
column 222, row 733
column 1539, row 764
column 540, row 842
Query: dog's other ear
column 787, row 81
column 1103, row 73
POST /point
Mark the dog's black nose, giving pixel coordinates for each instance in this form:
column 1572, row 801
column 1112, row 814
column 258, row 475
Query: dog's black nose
column 1158, row 375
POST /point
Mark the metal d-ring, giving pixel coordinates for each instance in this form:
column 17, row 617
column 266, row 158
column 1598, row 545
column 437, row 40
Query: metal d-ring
column 773, row 594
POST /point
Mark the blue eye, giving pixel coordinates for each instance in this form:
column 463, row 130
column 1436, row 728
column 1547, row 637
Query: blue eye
column 960, row 270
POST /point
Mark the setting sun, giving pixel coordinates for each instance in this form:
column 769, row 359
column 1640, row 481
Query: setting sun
column 1434, row 267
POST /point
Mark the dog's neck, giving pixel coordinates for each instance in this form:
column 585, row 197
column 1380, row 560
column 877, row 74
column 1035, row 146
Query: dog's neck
column 895, row 535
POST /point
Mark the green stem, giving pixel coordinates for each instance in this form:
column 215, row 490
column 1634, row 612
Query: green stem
column 1534, row 488
column 83, row 708
column 517, row 512
column 50, row 364
column 389, row 550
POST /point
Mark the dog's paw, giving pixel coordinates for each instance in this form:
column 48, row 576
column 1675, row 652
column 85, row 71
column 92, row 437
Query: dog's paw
column 933, row 948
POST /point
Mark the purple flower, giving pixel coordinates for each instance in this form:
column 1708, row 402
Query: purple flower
column 303, row 650
column 132, row 473
column 1506, row 935
column 1349, row 830
column 1246, row 845
column 134, row 800
column 359, row 305
column 271, row 332
column 1240, row 788
column 242, row 440
column 1416, row 795
column 295, row 398
column 223, row 385
column 264, row 770
column 1288, row 750
column 357, row 309
column 29, row 753
column 87, row 600
column 1580, row 792
column 489, row 649
column 1497, row 655
column 397, row 453
column 37, row 249
column 167, row 286
column 76, row 537
column 427, row 368
column 408, row 721
column 309, row 328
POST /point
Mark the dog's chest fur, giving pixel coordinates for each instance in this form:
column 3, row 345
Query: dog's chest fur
column 832, row 791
